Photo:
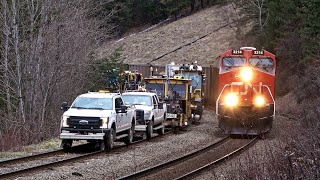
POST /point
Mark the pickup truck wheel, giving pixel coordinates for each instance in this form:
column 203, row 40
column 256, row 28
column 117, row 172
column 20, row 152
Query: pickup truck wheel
column 102, row 145
column 66, row 144
column 128, row 140
column 161, row 130
column 109, row 140
column 149, row 130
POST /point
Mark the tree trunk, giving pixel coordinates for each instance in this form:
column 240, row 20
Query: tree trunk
column 6, row 31
column 18, row 60
column 192, row 5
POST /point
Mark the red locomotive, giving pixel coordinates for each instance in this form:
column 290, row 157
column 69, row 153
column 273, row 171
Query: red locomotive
column 246, row 104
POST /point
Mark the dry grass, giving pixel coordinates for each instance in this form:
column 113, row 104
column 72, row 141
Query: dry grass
column 44, row 146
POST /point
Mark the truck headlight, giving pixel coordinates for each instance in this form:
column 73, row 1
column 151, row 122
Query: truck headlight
column 147, row 114
column 64, row 121
column 231, row 100
column 246, row 74
column 105, row 122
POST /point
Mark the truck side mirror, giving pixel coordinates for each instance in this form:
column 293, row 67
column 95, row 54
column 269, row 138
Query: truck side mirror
column 124, row 108
column 64, row 106
column 160, row 105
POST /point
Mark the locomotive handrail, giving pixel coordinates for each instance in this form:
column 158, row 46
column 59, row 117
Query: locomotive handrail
column 217, row 102
column 274, row 102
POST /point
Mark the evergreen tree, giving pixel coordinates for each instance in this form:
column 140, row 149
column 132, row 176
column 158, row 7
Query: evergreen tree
column 105, row 72
column 310, row 32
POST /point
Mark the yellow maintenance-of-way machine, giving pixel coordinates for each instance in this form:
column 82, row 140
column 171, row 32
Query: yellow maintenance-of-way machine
column 176, row 94
column 194, row 72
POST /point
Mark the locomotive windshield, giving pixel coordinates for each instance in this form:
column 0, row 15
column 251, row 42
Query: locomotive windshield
column 233, row 61
column 137, row 100
column 92, row 103
column 261, row 62
column 265, row 64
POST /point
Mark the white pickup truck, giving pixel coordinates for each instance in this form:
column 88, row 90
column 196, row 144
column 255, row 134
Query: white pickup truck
column 154, row 111
column 101, row 118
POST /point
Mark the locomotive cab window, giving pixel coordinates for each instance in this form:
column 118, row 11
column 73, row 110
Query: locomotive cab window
column 233, row 61
column 265, row 64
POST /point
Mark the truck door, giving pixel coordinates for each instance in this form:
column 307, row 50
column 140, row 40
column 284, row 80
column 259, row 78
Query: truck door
column 156, row 109
column 120, row 115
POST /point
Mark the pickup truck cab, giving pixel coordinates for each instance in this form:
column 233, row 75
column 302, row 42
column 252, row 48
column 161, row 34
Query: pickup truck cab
column 101, row 118
column 154, row 111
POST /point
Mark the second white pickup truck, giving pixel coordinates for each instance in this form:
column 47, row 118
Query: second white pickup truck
column 154, row 111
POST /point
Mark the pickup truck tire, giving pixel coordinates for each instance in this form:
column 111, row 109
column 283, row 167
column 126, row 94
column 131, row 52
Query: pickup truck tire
column 66, row 144
column 109, row 140
column 161, row 130
column 149, row 130
column 102, row 145
column 128, row 140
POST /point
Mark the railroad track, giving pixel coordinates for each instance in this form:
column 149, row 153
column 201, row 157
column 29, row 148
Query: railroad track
column 55, row 158
column 194, row 162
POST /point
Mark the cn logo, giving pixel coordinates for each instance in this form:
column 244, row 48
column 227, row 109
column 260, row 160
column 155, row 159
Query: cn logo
column 249, row 85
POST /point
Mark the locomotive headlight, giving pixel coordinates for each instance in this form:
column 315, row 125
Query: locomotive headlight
column 231, row 100
column 259, row 101
column 246, row 74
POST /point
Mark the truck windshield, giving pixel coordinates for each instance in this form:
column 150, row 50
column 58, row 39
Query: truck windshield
column 137, row 100
column 92, row 103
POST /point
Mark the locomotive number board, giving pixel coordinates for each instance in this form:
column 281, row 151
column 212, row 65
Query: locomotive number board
column 255, row 52
column 237, row 52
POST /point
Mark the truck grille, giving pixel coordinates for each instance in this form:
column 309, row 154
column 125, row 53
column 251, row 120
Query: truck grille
column 140, row 117
column 79, row 122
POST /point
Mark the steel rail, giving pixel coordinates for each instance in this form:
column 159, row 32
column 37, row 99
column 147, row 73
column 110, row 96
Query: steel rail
column 192, row 173
column 40, row 155
column 52, row 164
column 65, row 161
column 148, row 171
